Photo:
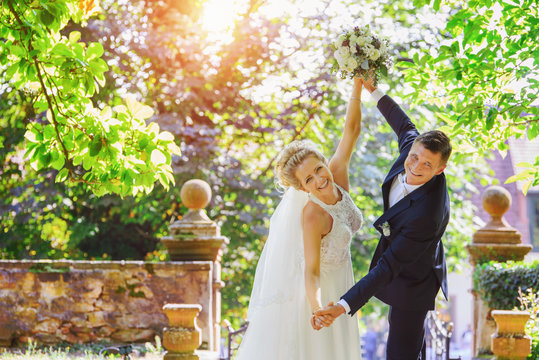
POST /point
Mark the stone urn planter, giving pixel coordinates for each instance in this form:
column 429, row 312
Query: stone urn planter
column 510, row 340
column 183, row 336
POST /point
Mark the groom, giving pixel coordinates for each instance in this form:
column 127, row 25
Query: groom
column 408, row 266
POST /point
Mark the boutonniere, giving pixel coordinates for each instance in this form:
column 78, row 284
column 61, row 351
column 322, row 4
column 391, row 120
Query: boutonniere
column 385, row 229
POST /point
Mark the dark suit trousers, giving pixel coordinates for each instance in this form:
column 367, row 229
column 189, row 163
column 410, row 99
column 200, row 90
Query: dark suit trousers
column 406, row 336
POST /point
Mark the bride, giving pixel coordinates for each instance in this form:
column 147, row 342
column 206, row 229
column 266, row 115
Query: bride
column 306, row 260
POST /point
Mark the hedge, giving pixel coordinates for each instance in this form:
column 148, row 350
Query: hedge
column 497, row 283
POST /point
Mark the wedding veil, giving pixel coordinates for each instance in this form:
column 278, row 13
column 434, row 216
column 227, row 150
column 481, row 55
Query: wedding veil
column 278, row 301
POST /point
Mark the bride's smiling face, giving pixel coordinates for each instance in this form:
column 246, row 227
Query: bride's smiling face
column 314, row 176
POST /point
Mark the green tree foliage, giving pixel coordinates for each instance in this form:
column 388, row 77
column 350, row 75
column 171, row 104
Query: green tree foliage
column 112, row 150
column 482, row 75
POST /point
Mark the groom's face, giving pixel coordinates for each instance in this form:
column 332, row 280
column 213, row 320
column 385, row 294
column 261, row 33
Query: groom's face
column 421, row 165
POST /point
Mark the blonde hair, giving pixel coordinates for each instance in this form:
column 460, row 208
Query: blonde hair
column 290, row 157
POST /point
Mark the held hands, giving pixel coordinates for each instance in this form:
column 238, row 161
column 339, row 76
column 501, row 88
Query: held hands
column 326, row 316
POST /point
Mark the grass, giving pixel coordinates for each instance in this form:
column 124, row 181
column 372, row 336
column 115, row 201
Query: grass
column 95, row 351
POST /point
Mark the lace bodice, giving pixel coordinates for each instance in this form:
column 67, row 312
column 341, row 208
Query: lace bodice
column 347, row 219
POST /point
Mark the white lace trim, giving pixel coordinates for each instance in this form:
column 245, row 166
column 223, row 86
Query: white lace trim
column 347, row 219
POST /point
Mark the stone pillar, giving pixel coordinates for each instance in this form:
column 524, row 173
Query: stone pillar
column 497, row 241
column 195, row 237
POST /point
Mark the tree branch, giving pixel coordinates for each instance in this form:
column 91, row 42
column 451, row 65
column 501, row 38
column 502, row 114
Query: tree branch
column 43, row 87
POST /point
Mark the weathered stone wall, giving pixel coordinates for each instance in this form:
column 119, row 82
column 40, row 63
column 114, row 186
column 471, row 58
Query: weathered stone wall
column 88, row 301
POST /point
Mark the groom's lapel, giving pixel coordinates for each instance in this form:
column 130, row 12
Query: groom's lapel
column 386, row 186
column 404, row 203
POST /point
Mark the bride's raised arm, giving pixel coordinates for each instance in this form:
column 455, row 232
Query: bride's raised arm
column 352, row 129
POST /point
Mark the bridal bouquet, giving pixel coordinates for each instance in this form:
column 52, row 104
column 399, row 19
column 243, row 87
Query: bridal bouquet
column 360, row 53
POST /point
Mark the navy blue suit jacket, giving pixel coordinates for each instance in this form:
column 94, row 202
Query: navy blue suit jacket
column 408, row 267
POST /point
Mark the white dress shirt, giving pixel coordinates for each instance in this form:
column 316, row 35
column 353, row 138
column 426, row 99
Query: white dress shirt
column 399, row 189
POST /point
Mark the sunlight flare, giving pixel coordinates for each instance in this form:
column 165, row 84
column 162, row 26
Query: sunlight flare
column 219, row 16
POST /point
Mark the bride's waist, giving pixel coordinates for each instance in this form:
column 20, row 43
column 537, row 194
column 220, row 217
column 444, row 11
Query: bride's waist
column 336, row 261
column 334, row 256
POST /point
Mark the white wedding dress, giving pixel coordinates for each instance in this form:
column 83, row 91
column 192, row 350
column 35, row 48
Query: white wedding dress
column 279, row 312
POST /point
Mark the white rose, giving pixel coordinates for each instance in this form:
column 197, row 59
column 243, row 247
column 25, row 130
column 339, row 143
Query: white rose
column 369, row 49
column 351, row 64
column 353, row 43
column 361, row 41
column 375, row 54
column 344, row 51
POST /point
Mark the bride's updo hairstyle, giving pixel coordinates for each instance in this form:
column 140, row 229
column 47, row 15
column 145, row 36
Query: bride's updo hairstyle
column 290, row 158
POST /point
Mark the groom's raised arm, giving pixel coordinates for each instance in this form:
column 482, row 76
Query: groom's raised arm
column 394, row 115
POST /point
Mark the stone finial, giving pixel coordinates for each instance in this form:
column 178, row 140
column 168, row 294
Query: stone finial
column 497, row 240
column 195, row 237
column 496, row 201
column 195, row 194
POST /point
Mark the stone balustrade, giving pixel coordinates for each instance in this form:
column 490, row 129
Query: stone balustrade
column 88, row 301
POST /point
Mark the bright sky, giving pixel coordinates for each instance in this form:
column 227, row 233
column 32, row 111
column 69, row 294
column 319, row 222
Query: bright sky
column 219, row 19
column 220, row 15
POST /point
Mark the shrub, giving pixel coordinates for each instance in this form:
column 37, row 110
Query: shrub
column 498, row 283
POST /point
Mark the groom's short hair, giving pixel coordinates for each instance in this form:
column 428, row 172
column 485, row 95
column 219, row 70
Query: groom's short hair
column 437, row 142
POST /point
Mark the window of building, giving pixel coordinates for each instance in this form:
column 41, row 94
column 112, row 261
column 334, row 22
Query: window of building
column 533, row 212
